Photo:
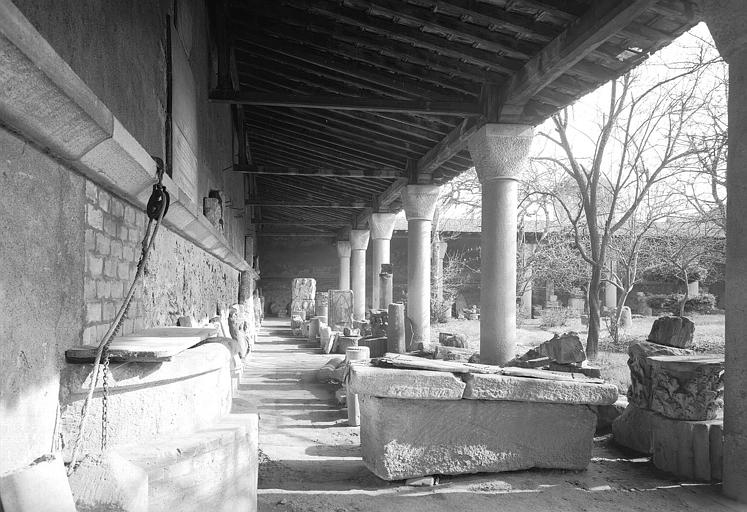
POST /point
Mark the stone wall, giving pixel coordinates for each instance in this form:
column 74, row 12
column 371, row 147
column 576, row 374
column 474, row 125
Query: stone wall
column 284, row 258
column 69, row 247
column 179, row 279
column 41, row 293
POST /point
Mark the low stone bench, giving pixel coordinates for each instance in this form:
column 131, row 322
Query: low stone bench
column 417, row 423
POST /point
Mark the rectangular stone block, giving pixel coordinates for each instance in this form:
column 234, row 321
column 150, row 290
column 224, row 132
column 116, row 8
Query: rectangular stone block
column 407, row 384
column 303, row 292
column 523, row 389
column 411, row 438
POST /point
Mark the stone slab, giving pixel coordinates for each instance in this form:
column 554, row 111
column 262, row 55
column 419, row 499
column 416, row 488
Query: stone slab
column 411, row 438
column 21, row 491
column 524, row 389
column 407, row 384
column 340, row 312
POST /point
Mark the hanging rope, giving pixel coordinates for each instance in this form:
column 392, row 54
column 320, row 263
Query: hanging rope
column 158, row 205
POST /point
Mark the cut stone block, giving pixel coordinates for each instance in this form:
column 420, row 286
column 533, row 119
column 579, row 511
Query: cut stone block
column 377, row 346
column 340, row 308
column 523, row 389
column 303, row 293
column 399, row 383
column 639, row 392
column 688, row 449
column 345, row 342
column 687, row 387
column 109, row 482
column 327, row 338
column 411, row 438
column 673, row 331
column 39, row 486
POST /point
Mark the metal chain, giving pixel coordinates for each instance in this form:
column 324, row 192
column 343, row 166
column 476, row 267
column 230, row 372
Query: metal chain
column 105, row 403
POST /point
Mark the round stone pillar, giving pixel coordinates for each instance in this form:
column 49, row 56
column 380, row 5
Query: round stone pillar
column 419, row 202
column 343, row 253
column 382, row 227
column 438, row 269
column 358, row 243
column 499, row 152
column 726, row 20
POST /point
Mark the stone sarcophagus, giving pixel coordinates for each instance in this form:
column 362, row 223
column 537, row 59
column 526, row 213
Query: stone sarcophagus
column 418, row 422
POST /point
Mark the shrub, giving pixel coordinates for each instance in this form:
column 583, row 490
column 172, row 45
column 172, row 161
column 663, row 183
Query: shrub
column 704, row 303
column 554, row 317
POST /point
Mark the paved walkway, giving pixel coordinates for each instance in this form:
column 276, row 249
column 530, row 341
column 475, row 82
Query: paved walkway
column 310, row 459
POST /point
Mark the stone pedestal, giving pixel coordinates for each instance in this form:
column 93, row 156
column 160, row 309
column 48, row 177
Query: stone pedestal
column 321, row 304
column 343, row 254
column 499, row 152
column 385, row 290
column 340, row 309
column 419, row 202
column 382, row 227
column 358, row 243
column 395, row 331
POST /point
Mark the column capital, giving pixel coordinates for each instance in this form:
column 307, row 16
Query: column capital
column 499, row 151
column 343, row 249
column 359, row 239
column 420, row 201
column 726, row 20
column 382, row 225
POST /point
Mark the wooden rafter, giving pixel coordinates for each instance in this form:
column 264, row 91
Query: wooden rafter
column 274, row 170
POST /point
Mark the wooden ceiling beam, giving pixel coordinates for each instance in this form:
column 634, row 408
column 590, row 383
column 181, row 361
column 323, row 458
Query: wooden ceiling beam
column 265, row 203
column 395, row 86
column 409, row 35
column 493, row 41
column 302, row 134
column 319, row 39
column 324, row 153
column 274, row 170
column 453, row 143
column 278, row 154
column 603, row 19
column 381, row 141
column 332, row 102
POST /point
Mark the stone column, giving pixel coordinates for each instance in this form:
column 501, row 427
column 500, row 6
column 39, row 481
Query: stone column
column 358, row 243
column 419, row 202
column 726, row 20
column 343, row 252
column 438, row 269
column 526, row 297
column 499, row 152
column 382, row 226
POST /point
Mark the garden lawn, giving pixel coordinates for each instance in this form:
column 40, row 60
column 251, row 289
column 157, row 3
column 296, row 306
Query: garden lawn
column 613, row 357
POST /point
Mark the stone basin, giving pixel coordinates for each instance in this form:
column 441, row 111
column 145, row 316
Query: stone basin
column 417, row 423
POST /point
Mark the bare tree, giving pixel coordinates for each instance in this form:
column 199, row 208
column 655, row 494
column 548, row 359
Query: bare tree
column 640, row 142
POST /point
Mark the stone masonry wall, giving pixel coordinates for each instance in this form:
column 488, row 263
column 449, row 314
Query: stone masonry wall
column 179, row 279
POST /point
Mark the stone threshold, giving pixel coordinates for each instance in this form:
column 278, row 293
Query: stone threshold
column 46, row 103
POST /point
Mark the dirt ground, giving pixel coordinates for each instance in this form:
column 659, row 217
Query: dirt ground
column 310, row 458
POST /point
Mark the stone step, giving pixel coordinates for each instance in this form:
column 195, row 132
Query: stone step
column 214, row 469
column 148, row 401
